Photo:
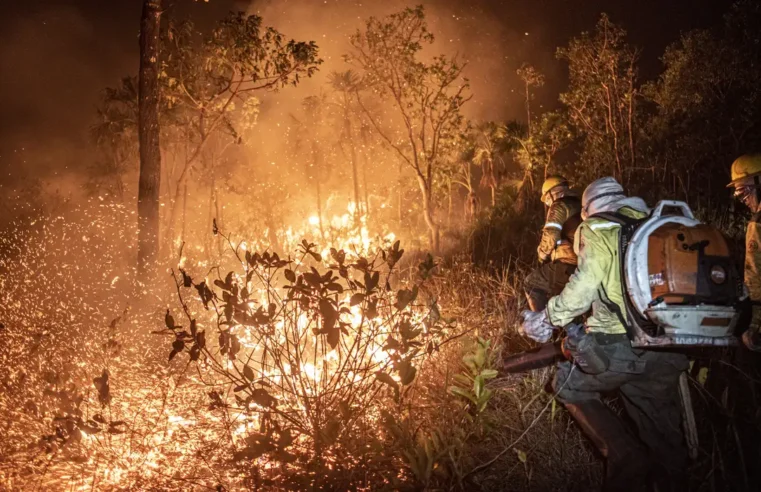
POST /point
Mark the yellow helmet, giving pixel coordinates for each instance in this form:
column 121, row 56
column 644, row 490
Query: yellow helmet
column 744, row 168
column 552, row 182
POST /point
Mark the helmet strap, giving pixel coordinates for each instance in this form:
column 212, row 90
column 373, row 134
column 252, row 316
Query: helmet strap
column 556, row 191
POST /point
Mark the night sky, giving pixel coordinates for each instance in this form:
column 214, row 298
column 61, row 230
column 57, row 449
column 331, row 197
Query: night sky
column 56, row 56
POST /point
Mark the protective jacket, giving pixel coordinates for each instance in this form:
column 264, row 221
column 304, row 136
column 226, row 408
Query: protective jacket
column 597, row 281
column 753, row 261
column 753, row 273
column 563, row 217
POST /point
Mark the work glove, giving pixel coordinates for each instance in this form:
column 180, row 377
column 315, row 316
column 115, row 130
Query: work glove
column 543, row 257
column 752, row 337
column 536, row 326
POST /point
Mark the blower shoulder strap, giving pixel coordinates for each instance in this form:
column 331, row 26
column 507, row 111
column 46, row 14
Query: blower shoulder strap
column 628, row 226
column 618, row 218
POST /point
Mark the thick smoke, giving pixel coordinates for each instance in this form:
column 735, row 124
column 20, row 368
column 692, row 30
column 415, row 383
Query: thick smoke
column 56, row 57
column 469, row 31
column 466, row 29
column 55, row 60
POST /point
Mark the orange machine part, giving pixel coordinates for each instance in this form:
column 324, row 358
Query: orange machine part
column 673, row 254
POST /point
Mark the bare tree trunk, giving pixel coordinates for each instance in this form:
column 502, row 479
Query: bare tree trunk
column 353, row 154
column 316, row 162
column 184, row 211
column 319, row 210
column 428, row 214
column 364, row 183
column 528, row 110
column 355, row 177
column 400, row 195
column 449, row 210
column 150, row 148
column 365, row 165
column 220, row 221
column 269, row 221
column 208, row 234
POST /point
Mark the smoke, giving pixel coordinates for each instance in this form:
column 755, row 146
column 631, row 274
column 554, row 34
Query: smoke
column 469, row 30
column 57, row 56
column 55, row 62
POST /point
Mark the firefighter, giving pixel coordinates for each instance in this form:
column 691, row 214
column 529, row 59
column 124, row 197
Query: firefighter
column 555, row 251
column 746, row 180
column 646, row 379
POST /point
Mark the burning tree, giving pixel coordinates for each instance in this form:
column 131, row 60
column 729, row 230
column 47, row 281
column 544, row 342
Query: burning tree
column 208, row 87
column 427, row 97
column 535, row 151
column 212, row 78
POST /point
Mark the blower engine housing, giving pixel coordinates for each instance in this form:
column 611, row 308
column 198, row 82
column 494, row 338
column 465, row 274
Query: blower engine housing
column 681, row 282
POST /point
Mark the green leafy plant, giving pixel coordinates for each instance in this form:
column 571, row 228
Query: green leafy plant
column 477, row 371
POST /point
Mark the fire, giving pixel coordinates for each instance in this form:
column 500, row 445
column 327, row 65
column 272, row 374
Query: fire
column 158, row 419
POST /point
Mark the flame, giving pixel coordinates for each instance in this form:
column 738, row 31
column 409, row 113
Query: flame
column 169, row 420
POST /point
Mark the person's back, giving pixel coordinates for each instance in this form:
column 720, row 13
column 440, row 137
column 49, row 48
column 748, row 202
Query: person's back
column 598, row 283
column 555, row 251
column 557, row 242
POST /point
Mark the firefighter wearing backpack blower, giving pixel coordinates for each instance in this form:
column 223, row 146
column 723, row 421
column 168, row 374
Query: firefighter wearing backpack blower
column 646, row 379
column 746, row 180
column 555, row 251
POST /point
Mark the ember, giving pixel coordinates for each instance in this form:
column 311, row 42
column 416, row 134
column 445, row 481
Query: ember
column 275, row 245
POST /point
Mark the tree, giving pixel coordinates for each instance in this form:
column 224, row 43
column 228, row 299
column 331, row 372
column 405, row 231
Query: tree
column 535, row 151
column 458, row 170
column 487, row 154
column 212, row 78
column 150, row 148
column 517, row 134
column 308, row 143
column 346, row 84
column 707, row 108
column 115, row 136
column 531, row 78
column 426, row 97
column 601, row 98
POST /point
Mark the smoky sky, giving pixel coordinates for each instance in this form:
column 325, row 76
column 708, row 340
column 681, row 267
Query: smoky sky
column 56, row 56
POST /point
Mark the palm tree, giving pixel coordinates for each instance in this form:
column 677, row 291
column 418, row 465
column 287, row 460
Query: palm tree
column 486, row 153
column 516, row 140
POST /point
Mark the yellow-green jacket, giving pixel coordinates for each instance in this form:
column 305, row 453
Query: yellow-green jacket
column 597, row 281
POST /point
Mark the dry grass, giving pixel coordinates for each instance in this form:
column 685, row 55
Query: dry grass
column 546, row 450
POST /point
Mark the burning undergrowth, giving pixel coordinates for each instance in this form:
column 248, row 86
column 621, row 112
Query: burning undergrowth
column 290, row 371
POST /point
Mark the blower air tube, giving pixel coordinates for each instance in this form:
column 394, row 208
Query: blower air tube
column 542, row 356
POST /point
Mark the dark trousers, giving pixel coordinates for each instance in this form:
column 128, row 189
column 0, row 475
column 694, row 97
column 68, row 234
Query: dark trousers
column 647, row 381
column 545, row 282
